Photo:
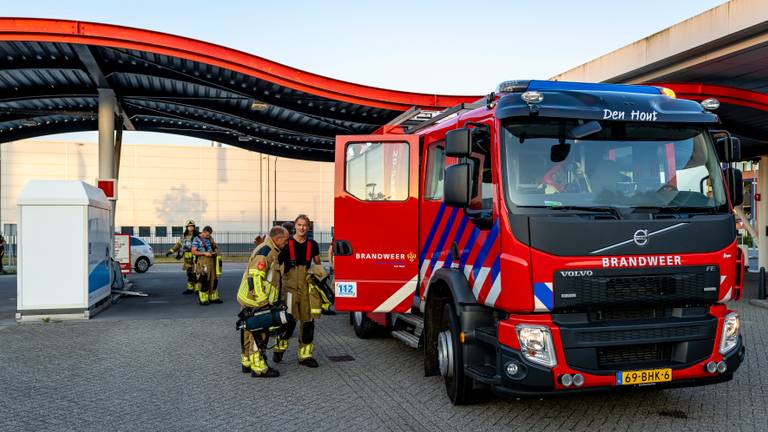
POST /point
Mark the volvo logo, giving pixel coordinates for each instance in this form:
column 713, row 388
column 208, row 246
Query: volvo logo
column 573, row 273
column 641, row 237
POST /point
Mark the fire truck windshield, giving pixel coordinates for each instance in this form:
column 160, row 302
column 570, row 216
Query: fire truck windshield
column 626, row 165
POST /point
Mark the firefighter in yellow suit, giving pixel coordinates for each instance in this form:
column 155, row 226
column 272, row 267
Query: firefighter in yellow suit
column 260, row 289
column 184, row 245
column 207, row 267
column 303, row 303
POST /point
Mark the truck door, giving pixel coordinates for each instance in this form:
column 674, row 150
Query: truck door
column 376, row 222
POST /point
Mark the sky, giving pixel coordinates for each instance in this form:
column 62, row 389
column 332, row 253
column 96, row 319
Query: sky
column 447, row 47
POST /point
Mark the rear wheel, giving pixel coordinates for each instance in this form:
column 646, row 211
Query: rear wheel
column 450, row 359
column 364, row 327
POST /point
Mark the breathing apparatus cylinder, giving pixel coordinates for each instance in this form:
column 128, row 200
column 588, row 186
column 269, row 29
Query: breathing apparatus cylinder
column 268, row 318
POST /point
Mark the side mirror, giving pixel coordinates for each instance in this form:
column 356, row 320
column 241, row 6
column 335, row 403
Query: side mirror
column 735, row 186
column 733, row 151
column 728, row 148
column 457, row 186
column 458, row 142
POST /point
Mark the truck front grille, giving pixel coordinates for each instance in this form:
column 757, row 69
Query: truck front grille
column 682, row 338
column 624, row 287
column 636, row 355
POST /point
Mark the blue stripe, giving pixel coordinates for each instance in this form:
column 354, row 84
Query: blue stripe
column 456, row 239
column 431, row 235
column 495, row 268
column 489, row 241
column 468, row 247
column 443, row 238
column 544, row 294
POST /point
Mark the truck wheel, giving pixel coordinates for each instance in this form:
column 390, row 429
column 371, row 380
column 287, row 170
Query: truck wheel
column 364, row 327
column 142, row 265
column 450, row 358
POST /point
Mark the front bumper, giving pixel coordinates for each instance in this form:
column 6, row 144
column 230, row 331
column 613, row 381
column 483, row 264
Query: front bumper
column 688, row 363
column 535, row 381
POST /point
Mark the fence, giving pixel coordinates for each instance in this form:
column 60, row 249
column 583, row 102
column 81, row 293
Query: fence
column 230, row 243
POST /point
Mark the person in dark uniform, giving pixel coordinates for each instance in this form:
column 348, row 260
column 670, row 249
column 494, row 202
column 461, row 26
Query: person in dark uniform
column 304, row 303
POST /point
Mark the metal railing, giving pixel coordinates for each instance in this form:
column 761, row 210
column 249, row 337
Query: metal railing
column 230, row 243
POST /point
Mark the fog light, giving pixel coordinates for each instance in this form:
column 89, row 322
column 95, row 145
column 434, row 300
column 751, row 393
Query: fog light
column 512, row 369
column 532, row 97
column 722, row 367
column 578, row 380
column 566, row 380
column 711, row 367
column 710, row 104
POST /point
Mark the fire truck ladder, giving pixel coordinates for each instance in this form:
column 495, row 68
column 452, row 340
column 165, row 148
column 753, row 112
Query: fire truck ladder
column 416, row 119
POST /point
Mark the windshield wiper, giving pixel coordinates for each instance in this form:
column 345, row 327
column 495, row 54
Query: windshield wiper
column 594, row 209
column 600, row 209
column 677, row 209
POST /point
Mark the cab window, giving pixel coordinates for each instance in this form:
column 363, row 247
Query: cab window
column 480, row 161
column 433, row 187
column 377, row 171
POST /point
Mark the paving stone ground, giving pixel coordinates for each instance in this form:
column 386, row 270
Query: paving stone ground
column 163, row 363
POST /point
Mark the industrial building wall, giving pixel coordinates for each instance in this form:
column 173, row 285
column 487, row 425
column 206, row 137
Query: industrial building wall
column 162, row 185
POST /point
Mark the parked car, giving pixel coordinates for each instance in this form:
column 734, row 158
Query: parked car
column 142, row 255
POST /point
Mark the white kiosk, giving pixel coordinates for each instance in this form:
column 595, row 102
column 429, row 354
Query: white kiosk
column 64, row 268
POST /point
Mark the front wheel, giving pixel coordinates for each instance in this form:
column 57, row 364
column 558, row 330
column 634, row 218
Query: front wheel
column 142, row 265
column 364, row 327
column 450, row 358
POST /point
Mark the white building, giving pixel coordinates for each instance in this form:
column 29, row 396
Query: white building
column 160, row 186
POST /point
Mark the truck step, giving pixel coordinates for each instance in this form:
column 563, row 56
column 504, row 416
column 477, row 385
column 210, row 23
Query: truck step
column 487, row 335
column 407, row 338
column 411, row 320
column 484, row 374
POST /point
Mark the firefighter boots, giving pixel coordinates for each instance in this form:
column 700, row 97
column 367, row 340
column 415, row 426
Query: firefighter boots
column 190, row 289
column 203, row 298
column 215, row 298
column 259, row 368
column 280, row 346
column 305, row 355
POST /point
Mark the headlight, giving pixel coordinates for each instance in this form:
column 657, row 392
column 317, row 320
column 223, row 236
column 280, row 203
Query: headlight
column 536, row 344
column 730, row 336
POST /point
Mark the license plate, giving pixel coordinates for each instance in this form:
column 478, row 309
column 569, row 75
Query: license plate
column 643, row 376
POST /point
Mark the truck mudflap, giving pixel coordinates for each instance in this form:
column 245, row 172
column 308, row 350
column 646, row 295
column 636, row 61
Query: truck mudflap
column 513, row 375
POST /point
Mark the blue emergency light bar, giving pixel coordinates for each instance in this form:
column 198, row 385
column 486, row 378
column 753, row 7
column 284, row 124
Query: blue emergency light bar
column 538, row 85
column 565, row 85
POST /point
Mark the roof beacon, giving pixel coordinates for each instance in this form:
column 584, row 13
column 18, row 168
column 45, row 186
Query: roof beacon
column 668, row 92
column 512, row 86
column 710, row 104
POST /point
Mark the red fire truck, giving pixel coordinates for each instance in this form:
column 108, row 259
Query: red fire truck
column 553, row 237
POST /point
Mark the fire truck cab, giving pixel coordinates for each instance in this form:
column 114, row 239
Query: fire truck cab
column 553, row 237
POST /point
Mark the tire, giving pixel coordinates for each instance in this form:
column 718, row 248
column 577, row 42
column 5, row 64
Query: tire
column 142, row 265
column 458, row 386
column 364, row 327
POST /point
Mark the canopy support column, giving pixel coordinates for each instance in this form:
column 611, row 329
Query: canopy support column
column 762, row 212
column 107, row 109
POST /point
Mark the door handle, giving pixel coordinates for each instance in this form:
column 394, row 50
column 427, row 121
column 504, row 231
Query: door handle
column 342, row 248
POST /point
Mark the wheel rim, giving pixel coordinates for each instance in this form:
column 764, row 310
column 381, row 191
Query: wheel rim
column 445, row 353
column 142, row 265
column 358, row 319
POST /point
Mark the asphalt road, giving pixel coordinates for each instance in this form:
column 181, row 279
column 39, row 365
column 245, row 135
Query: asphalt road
column 164, row 363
